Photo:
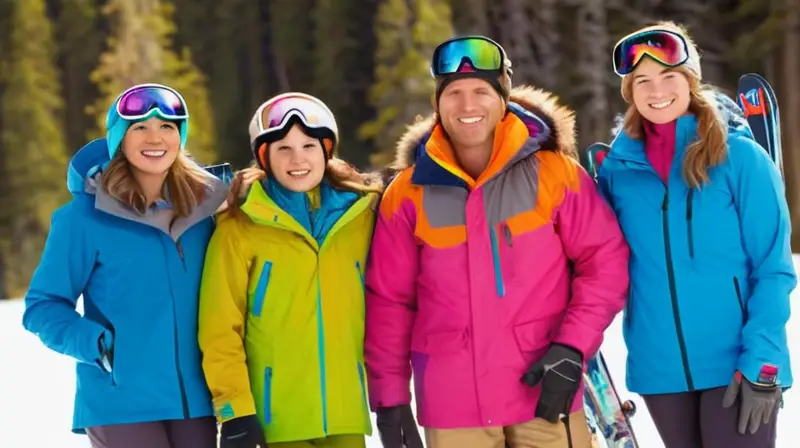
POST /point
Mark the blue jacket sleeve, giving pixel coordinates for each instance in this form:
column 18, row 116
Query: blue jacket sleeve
column 766, row 230
column 63, row 272
column 604, row 185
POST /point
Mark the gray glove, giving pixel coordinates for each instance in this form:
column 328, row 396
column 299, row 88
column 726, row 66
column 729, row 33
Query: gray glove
column 757, row 403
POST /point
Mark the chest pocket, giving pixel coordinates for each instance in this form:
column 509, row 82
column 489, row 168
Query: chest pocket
column 712, row 219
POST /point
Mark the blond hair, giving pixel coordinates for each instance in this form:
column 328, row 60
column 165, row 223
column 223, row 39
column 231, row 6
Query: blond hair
column 710, row 149
column 341, row 175
column 187, row 184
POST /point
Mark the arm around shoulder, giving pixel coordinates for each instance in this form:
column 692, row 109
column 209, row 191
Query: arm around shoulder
column 221, row 320
column 593, row 241
column 59, row 280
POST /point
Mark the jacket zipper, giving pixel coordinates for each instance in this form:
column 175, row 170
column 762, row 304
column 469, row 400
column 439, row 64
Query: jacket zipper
column 739, row 298
column 181, row 384
column 321, row 352
column 629, row 308
column 689, row 222
column 674, row 292
column 180, row 253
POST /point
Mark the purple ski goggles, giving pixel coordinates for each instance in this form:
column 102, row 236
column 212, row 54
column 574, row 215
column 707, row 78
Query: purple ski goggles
column 145, row 100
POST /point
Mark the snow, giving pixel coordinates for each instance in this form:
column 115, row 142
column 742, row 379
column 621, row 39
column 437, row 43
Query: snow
column 37, row 388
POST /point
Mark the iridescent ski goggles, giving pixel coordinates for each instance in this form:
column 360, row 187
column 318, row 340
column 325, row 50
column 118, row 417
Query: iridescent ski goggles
column 467, row 54
column 665, row 47
column 145, row 100
column 272, row 118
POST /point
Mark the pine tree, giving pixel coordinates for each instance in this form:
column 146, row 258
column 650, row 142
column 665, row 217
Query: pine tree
column 408, row 32
column 343, row 69
column 140, row 51
column 33, row 156
column 80, row 44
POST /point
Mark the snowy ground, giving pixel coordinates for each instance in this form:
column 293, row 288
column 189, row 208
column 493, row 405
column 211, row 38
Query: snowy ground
column 37, row 387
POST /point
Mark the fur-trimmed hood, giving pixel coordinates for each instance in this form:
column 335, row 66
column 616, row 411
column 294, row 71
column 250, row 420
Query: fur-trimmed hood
column 533, row 106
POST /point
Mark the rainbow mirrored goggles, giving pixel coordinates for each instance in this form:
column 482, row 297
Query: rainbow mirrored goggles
column 467, row 54
column 665, row 47
column 144, row 100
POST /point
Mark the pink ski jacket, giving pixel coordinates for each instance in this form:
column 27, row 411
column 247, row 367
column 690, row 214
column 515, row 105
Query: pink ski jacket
column 469, row 281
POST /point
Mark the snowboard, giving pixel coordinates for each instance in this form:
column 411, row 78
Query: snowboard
column 757, row 99
column 607, row 414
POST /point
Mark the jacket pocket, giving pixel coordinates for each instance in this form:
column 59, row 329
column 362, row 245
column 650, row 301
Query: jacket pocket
column 534, row 337
column 739, row 298
column 440, row 343
column 360, row 275
column 363, row 382
column 107, row 348
column 268, row 395
column 261, row 288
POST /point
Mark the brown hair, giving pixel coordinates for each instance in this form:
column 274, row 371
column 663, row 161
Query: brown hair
column 340, row 174
column 710, row 149
column 186, row 182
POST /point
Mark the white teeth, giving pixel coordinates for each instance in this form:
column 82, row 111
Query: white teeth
column 153, row 153
column 298, row 172
column 470, row 120
column 661, row 105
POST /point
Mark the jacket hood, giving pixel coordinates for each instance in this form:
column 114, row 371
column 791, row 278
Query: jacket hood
column 537, row 108
column 86, row 163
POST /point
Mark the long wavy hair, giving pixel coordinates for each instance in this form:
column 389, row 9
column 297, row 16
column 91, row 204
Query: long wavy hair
column 186, row 182
column 340, row 174
column 711, row 148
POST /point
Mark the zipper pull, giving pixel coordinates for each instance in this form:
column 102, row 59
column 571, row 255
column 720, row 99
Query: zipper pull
column 507, row 232
column 180, row 249
column 665, row 204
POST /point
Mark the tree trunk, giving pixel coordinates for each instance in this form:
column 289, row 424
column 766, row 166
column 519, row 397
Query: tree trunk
column 790, row 110
column 592, row 64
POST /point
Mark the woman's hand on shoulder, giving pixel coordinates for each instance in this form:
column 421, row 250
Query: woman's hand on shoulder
column 239, row 187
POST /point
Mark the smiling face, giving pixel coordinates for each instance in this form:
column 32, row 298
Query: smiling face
column 297, row 161
column 469, row 110
column 660, row 94
column 151, row 146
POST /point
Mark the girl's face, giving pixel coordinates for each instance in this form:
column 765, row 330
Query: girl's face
column 297, row 161
column 660, row 94
column 151, row 146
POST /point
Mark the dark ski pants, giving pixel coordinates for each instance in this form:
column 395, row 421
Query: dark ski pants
column 698, row 420
column 190, row 433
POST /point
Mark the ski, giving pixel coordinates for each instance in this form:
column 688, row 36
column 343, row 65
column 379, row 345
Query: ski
column 757, row 99
column 607, row 415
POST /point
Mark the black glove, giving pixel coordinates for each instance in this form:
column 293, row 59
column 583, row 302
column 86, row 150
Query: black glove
column 242, row 432
column 757, row 403
column 560, row 371
column 398, row 428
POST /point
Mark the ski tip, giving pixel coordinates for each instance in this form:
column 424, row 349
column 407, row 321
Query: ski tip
column 752, row 102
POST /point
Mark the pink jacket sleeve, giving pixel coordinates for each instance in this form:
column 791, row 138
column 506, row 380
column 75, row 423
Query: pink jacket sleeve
column 593, row 241
column 391, row 305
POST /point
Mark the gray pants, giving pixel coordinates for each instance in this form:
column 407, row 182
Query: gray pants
column 698, row 420
column 191, row 433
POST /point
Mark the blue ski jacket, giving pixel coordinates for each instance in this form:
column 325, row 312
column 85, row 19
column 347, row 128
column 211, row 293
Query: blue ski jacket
column 140, row 287
column 711, row 268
